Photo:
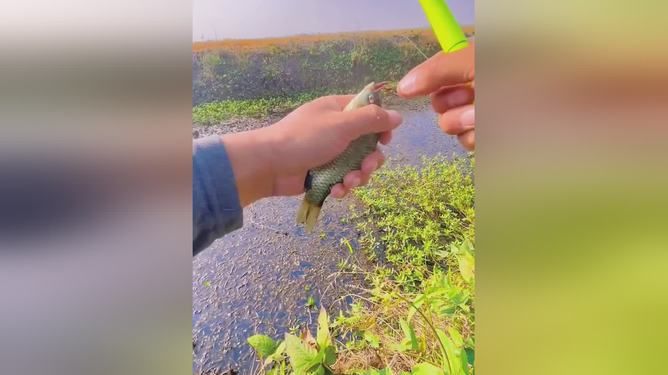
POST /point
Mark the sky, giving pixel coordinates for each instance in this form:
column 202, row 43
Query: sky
column 228, row 19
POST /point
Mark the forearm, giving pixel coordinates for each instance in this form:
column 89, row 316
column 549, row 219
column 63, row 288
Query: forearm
column 252, row 155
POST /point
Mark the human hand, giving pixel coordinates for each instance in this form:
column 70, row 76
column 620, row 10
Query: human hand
column 449, row 79
column 273, row 161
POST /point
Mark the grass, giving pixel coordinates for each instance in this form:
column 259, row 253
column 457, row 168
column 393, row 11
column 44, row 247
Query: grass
column 417, row 314
column 288, row 67
column 220, row 111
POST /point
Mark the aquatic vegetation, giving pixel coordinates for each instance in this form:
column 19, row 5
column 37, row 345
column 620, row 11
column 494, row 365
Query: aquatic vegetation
column 310, row 302
column 416, row 316
column 219, row 111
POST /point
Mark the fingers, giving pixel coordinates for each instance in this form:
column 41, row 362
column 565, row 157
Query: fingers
column 338, row 102
column 338, row 191
column 467, row 139
column 360, row 177
column 458, row 120
column 452, row 97
column 440, row 70
column 370, row 164
column 370, row 119
column 385, row 138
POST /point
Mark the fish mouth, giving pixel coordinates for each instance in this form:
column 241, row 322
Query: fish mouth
column 378, row 86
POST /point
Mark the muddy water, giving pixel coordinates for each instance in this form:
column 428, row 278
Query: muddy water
column 258, row 279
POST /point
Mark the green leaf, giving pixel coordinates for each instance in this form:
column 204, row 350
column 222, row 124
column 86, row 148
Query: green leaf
column 303, row 358
column 373, row 371
column 458, row 343
column 427, row 369
column 409, row 332
column 456, row 337
column 264, row 345
column 372, row 339
column 467, row 246
column 329, row 355
column 456, row 355
column 277, row 355
column 417, row 303
column 322, row 336
column 470, row 356
column 466, row 265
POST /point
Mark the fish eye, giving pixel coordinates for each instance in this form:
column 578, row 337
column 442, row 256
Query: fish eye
column 372, row 98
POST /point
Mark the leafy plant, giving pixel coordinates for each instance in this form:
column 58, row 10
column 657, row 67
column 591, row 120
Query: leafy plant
column 306, row 355
column 310, row 302
column 417, row 316
column 421, row 219
column 264, row 345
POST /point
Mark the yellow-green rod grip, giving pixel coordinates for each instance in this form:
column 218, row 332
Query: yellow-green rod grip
column 450, row 36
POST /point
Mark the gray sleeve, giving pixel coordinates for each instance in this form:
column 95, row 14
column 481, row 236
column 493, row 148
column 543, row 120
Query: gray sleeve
column 216, row 207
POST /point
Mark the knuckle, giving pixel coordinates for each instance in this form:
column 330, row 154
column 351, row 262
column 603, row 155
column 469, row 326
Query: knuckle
column 469, row 75
column 448, row 126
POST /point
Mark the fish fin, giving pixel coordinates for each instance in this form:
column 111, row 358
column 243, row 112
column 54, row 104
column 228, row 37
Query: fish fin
column 308, row 215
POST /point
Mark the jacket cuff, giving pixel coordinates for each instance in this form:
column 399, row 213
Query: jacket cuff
column 216, row 206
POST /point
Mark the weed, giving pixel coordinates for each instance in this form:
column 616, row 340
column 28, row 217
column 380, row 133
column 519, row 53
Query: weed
column 217, row 112
column 310, row 302
column 306, row 354
column 421, row 297
column 305, row 66
column 417, row 316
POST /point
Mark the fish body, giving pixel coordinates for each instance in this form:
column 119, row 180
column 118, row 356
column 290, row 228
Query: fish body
column 320, row 180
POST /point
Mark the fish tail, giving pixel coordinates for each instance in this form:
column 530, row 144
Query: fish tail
column 308, row 215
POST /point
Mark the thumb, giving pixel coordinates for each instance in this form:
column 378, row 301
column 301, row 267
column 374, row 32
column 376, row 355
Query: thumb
column 440, row 70
column 370, row 119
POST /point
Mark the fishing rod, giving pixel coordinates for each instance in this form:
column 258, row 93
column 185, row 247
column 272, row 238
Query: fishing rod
column 449, row 34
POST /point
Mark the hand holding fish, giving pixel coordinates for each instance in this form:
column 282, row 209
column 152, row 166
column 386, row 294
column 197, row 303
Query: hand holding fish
column 450, row 81
column 274, row 161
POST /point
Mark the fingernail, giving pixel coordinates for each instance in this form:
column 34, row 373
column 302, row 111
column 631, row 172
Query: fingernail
column 355, row 182
column 457, row 98
column 407, row 84
column 467, row 118
column 395, row 117
column 374, row 166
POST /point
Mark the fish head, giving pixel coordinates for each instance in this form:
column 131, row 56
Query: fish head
column 372, row 92
column 369, row 95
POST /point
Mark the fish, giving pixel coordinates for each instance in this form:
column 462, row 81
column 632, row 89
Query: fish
column 319, row 181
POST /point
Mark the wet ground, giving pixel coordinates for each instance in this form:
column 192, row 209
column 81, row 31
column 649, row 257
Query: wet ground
column 258, row 279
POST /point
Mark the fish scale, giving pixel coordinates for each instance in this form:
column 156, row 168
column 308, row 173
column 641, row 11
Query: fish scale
column 320, row 180
column 332, row 173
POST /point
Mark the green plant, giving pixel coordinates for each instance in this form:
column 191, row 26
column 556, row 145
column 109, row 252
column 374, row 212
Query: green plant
column 310, row 302
column 416, row 214
column 340, row 65
column 421, row 299
column 417, row 315
column 307, row 355
column 217, row 112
